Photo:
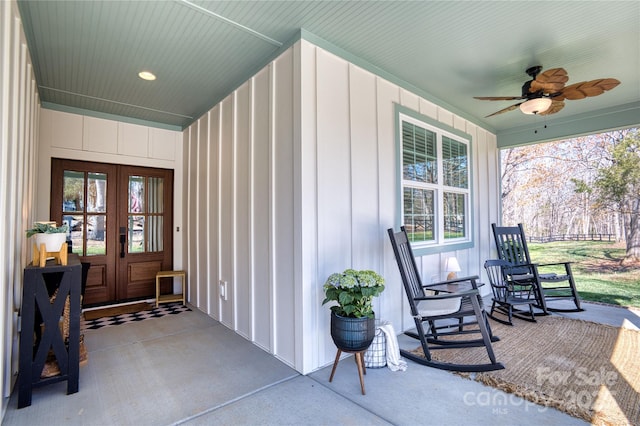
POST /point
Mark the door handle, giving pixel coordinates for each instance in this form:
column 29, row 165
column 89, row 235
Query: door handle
column 123, row 239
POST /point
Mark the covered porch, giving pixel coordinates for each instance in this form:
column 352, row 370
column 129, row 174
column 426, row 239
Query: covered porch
column 190, row 369
column 277, row 182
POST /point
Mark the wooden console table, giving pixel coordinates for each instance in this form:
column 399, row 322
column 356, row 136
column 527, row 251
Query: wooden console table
column 37, row 338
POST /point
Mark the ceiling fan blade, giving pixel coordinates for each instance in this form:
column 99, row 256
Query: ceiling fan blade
column 586, row 89
column 554, row 75
column 507, row 109
column 498, row 98
column 555, row 107
column 545, row 87
column 550, row 81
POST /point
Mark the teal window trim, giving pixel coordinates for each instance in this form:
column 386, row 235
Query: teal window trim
column 421, row 249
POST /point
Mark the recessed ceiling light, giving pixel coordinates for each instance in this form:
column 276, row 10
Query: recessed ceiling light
column 147, row 75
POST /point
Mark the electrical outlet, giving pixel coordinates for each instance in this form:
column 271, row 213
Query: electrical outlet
column 223, row 290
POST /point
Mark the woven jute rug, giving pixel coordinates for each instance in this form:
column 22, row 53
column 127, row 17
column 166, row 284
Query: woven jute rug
column 588, row 370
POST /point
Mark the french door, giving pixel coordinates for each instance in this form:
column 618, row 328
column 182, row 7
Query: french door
column 120, row 221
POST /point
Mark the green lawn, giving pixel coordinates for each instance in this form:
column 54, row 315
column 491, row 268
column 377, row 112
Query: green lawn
column 596, row 268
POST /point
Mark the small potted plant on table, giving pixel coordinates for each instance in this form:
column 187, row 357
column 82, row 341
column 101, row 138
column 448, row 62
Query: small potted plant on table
column 52, row 237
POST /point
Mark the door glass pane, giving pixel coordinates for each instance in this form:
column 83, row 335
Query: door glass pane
column 155, row 191
column 76, row 229
column 136, row 194
column 96, row 243
column 97, row 192
column 155, row 233
column 87, row 231
column 136, row 234
column 73, row 191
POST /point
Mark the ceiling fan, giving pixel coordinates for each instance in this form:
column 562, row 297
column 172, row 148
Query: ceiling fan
column 545, row 93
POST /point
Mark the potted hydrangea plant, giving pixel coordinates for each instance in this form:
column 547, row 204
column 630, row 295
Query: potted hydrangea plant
column 353, row 319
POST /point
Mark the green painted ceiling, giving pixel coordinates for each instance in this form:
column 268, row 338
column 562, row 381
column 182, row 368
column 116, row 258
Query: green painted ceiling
column 86, row 54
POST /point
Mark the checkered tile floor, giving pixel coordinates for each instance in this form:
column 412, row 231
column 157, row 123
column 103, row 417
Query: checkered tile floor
column 162, row 310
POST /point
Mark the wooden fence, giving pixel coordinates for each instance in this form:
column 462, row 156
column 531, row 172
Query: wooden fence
column 573, row 237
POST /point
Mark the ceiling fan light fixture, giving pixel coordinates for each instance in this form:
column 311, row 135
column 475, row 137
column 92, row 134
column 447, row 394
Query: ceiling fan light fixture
column 535, row 106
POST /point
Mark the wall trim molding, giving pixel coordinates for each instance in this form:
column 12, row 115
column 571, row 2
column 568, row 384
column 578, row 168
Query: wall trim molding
column 112, row 117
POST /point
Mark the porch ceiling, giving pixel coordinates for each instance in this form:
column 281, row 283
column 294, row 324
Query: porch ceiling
column 87, row 54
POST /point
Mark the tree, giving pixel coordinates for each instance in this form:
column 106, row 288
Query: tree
column 543, row 184
column 619, row 185
column 585, row 191
column 552, row 189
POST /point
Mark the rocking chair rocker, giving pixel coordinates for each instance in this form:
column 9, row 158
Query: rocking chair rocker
column 446, row 315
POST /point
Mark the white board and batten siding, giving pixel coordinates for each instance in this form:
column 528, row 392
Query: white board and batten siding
column 247, row 231
column 19, row 115
column 301, row 173
column 356, row 181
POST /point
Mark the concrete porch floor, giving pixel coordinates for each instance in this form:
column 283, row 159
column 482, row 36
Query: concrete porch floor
column 189, row 369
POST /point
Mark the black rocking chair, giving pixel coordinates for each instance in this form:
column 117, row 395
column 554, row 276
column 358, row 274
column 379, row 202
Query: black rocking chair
column 551, row 285
column 447, row 315
column 508, row 293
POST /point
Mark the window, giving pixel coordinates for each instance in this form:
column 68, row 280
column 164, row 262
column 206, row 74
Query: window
column 435, row 184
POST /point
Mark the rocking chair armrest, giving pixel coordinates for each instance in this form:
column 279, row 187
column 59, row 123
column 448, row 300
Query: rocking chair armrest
column 472, row 278
column 553, row 263
column 507, row 286
column 467, row 293
column 565, row 264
